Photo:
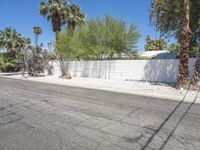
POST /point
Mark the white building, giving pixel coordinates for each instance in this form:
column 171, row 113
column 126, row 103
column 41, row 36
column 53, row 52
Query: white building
column 160, row 54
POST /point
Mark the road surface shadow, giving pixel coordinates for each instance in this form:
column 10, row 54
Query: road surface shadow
column 167, row 119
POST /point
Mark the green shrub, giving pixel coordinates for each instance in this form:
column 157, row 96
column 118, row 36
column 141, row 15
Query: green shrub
column 8, row 63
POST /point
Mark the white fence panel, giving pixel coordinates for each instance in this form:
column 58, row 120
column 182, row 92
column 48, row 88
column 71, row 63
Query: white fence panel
column 163, row 70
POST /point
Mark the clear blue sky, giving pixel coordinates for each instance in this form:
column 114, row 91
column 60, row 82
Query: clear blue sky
column 24, row 14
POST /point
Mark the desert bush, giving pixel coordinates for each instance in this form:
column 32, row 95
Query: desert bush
column 34, row 60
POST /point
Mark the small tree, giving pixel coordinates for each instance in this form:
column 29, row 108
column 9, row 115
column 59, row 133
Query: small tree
column 65, row 53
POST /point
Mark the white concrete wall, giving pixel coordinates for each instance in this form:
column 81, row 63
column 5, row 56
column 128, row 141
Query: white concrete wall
column 147, row 70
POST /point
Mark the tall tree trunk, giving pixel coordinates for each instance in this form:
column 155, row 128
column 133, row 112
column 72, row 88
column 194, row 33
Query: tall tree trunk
column 64, row 67
column 36, row 40
column 57, row 36
column 183, row 76
column 196, row 77
column 70, row 28
column 56, row 24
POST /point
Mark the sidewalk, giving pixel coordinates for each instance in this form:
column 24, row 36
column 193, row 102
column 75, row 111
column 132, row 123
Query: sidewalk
column 159, row 90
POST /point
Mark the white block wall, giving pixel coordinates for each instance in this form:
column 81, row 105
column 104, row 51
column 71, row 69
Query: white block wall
column 148, row 70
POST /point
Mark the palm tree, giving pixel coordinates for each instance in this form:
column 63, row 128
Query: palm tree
column 74, row 17
column 10, row 39
column 183, row 76
column 37, row 31
column 55, row 11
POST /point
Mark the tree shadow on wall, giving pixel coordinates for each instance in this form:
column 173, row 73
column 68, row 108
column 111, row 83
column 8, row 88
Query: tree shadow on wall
column 93, row 69
column 102, row 69
column 161, row 70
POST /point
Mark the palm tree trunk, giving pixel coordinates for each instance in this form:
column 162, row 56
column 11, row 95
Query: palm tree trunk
column 57, row 36
column 183, row 76
column 56, row 24
column 71, row 28
column 36, row 39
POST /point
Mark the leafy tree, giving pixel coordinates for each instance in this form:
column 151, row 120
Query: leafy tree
column 55, row 10
column 103, row 38
column 37, row 31
column 154, row 45
column 74, row 17
column 165, row 15
column 65, row 53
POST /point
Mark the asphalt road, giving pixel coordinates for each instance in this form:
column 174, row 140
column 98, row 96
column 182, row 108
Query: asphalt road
column 38, row 116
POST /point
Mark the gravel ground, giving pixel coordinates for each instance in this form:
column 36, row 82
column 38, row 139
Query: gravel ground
column 159, row 90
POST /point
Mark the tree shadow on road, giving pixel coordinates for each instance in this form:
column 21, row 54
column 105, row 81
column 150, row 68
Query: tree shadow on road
column 167, row 119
